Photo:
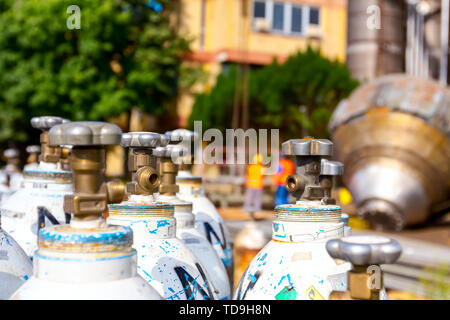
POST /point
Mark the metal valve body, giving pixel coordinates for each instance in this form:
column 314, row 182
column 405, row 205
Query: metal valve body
column 86, row 259
column 39, row 200
column 295, row 265
column 165, row 260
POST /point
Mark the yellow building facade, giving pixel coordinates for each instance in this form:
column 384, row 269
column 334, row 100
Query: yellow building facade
column 255, row 32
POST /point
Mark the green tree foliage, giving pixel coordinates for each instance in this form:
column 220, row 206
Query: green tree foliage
column 125, row 55
column 215, row 109
column 277, row 93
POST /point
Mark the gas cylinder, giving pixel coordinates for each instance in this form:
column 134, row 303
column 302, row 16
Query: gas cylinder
column 207, row 219
column 39, row 201
column 10, row 176
column 86, row 259
column 186, row 231
column 15, row 266
column 295, row 265
column 366, row 254
column 163, row 259
column 249, row 241
column 202, row 249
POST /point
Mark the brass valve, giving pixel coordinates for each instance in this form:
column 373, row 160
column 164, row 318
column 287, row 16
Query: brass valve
column 33, row 153
column 141, row 162
column 65, row 158
column 169, row 158
column 48, row 153
column 366, row 254
column 91, row 192
column 314, row 172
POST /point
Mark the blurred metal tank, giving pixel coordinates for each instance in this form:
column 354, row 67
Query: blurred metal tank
column 392, row 135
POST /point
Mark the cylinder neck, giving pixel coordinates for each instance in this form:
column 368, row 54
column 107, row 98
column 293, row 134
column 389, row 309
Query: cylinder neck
column 190, row 185
column 307, row 222
column 183, row 214
column 150, row 220
column 79, row 255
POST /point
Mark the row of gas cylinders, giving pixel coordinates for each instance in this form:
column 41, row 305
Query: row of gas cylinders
column 67, row 234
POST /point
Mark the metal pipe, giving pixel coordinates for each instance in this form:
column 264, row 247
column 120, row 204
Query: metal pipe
column 410, row 40
column 416, row 45
column 203, row 25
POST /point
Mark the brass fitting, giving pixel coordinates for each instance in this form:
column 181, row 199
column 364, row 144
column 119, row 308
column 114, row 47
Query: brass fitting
column 91, row 193
column 33, row 154
column 168, row 168
column 169, row 171
column 141, row 163
column 366, row 253
column 115, row 190
column 65, row 158
column 48, row 153
column 295, row 185
column 358, row 280
column 145, row 178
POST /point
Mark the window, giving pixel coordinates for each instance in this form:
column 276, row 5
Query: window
column 296, row 22
column 278, row 16
column 314, row 16
column 286, row 17
column 259, row 9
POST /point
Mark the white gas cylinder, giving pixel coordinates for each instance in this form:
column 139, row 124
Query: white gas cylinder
column 163, row 259
column 38, row 203
column 295, row 264
column 85, row 260
column 207, row 219
column 198, row 244
column 15, row 266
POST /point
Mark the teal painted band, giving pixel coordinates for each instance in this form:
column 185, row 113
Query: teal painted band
column 117, row 235
column 60, row 258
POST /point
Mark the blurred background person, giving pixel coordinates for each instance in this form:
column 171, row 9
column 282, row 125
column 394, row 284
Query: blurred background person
column 255, row 184
column 285, row 168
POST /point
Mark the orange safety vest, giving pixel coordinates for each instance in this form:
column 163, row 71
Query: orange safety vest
column 287, row 168
column 255, row 176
